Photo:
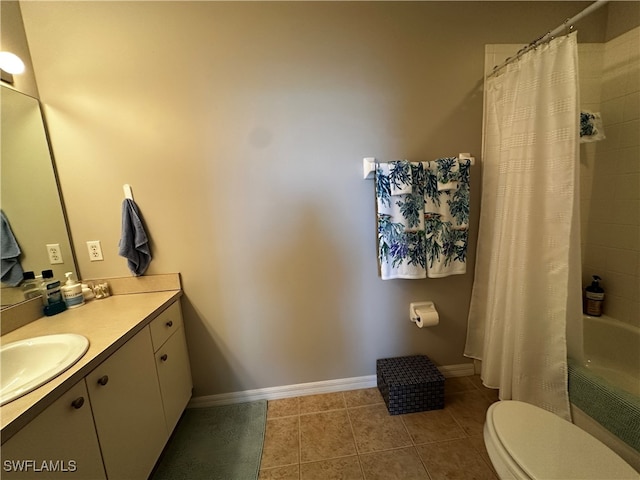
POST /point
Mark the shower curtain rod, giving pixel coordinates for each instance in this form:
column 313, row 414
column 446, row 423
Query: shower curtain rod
column 549, row 35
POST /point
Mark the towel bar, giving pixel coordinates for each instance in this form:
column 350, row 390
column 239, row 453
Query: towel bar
column 369, row 164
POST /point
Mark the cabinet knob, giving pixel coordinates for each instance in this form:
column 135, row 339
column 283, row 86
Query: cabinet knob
column 169, row 323
column 164, row 357
column 103, row 380
column 78, row 403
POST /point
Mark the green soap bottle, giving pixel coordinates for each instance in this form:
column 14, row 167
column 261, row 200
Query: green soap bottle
column 51, row 294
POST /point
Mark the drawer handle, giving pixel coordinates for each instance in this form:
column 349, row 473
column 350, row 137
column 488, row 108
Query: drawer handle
column 164, row 357
column 103, row 380
column 169, row 323
column 78, row 403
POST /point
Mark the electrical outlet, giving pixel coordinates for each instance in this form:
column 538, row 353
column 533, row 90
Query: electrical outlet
column 95, row 250
column 55, row 255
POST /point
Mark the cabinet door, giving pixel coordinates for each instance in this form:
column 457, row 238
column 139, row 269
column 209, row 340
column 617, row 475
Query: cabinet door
column 127, row 409
column 174, row 373
column 61, row 442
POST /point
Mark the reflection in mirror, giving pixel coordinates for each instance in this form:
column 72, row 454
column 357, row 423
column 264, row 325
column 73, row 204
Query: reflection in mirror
column 30, row 198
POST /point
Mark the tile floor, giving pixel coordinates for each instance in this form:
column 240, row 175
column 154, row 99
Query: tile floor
column 351, row 436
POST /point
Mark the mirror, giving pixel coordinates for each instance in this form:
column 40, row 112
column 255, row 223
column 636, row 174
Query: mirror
column 30, row 198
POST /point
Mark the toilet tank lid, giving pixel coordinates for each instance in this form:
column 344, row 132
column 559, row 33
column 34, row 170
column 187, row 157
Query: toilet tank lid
column 547, row 446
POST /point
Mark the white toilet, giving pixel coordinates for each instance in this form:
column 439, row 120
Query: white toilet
column 527, row 442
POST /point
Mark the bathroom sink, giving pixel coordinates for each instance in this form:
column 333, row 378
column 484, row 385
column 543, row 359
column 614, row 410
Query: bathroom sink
column 27, row 364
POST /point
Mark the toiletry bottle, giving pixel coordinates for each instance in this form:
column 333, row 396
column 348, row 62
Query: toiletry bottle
column 30, row 286
column 72, row 292
column 51, row 294
column 594, row 296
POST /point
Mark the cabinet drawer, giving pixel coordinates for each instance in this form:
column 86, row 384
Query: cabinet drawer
column 165, row 324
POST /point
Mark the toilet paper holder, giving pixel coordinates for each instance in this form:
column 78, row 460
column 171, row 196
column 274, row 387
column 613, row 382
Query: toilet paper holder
column 415, row 306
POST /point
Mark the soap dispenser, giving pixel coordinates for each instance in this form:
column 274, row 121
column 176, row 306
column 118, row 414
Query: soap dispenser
column 593, row 298
column 72, row 292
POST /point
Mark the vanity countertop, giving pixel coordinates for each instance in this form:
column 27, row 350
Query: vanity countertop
column 108, row 323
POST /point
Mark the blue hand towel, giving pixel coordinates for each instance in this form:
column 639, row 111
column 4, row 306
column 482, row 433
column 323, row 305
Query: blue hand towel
column 11, row 268
column 134, row 244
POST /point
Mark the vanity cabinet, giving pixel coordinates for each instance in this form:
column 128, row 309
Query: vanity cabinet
column 172, row 363
column 61, row 442
column 115, row 422
column 127, row 409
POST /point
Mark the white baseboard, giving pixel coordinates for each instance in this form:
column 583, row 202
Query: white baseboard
column 312, row 388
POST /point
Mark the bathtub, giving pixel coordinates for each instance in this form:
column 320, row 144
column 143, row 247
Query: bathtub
column 604, row 385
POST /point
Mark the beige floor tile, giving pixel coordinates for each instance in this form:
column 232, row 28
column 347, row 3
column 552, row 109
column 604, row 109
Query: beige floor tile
column 458, row 384
column 350, row 435
column 490, row 393
column 400, row 464
column 469, row 409
column 365, row 396
column 321, row 402
column 281, row 445
column 454, row 460
column 290, row 472
column 345, row 468
column 325, row 435
column 283, row 407
column 374, row 429
column 432, row 426
column 477, row 442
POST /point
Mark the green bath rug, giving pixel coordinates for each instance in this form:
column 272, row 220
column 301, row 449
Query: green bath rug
column 214, row 443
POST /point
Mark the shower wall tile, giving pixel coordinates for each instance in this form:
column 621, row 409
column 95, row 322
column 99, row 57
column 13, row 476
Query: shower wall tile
column 622, row 261
column 590, row 92
column 611, row 236
column 631, row 107
column 627, row 187
column 590, row 62
column 628, row 158
column 630, row 134
column 611, row 203
column 611, row 111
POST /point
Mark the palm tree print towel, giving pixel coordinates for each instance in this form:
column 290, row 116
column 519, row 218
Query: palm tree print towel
column 423, row 215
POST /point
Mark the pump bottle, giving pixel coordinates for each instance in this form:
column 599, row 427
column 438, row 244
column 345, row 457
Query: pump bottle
column 72, row 292
column 593, row 298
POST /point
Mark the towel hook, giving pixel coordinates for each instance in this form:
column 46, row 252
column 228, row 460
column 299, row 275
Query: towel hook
column 128, row 193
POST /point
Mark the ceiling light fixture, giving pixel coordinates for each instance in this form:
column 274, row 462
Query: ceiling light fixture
column 10, row 65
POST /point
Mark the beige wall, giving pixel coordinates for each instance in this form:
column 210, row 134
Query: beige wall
column 241, row 127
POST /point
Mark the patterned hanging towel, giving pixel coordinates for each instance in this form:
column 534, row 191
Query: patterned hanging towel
column 591, row 129
column 446, row 217
column 400, row 220
column 423, row 214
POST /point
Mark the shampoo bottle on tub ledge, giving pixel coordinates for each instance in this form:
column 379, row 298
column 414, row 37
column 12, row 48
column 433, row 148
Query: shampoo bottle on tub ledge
column 593, row 298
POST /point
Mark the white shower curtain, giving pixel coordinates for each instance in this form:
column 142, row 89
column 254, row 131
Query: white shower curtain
column 527, row 275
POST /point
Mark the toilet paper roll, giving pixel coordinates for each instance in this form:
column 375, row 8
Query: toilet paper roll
column 427, row 317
